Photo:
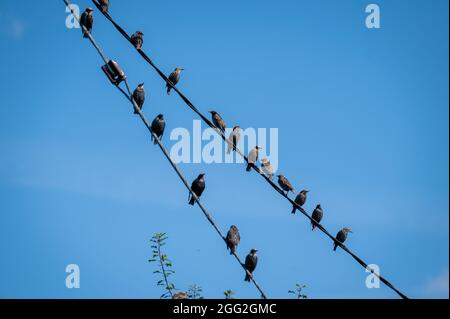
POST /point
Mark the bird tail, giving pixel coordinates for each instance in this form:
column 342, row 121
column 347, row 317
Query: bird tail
column 247, row 277
column 313, row 225
column 249, row 167
column 335, row 246
column 154, row 141
column 294, row 209
column 168, row 89
column 192, row 201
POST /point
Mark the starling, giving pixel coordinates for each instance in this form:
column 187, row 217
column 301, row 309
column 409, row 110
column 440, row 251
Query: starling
column 198, row 186
column 250, row 263
column 139, row 97
column 174, row 77
column 300, row 200
column 218, row 121
column 234, row 138
column 267, row 168
column 87, row 21
column 342, row 236
column 317, row 215
column 253, row 157
column 233, row 239
column 285, row 184
column 104, row 4
column 137, row 39
column 158, row 126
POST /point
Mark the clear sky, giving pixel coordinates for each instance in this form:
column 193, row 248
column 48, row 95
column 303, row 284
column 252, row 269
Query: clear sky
column 363, row 124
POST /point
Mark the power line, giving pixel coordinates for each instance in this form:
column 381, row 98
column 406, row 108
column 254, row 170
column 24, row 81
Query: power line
column 210, row 124
column 128, row 94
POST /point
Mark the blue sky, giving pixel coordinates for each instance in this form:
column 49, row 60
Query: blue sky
column 363, row 124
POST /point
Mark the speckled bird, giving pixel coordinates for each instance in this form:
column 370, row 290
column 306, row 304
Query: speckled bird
column 252, row 157
column 342, row 236
column 233, row 238
column 174, row 77
column 139, row 97
column 218, row 121
column 266, row 168
column 285, row 184
column 104, row 4
column 137, row 39
column 234, row 138
column 300, row 200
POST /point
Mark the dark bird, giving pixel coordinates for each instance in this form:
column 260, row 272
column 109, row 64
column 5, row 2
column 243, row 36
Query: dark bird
column 233, row 239
column 198, row 186
column 342, row 236
column 267, row 168
column 252, row 157
column 300, row 200
column 137, row 39
column 250, row 263
column 139, row 97
column 317, row 215
column 218, row 121
column 234, row 138
column 174, row 77
column 104, row 4
column 158, row 126
column 87, row 21
column 285, row 184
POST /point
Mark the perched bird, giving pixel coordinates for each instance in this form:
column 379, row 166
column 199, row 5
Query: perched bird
column 87, row 21
column 218, row 121
column 198, row 186
column 158, row 126
column 300, row 200
column 174, row 77
column 253, row 157
column 285, row 184
column 233, row 239
column 342, row 236
column 234, row 138
column 104, row 4
column 250, row 263
column 139, row 97
column 137, row 39
column 267, row 168
column 317, row 215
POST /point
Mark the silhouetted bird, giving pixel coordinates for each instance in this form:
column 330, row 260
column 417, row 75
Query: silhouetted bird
column 104, row 4
column 198, row 186
column 342, row 236
column 300, row 200
column 267, row 168
column 218, row 121
column 137, row 39
column 87, row 20
column 234, row 138
column 253, row 157
column 139, row 97
column 158, row 126
column 233, row 239
column 317, row 215
column 250, row 263
column 285, row 184
column 174, row 77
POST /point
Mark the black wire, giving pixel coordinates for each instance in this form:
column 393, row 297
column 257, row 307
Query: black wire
column 210, row 124
column 129, row 97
